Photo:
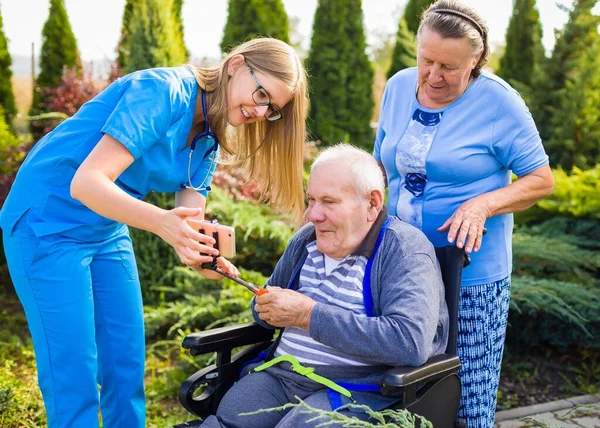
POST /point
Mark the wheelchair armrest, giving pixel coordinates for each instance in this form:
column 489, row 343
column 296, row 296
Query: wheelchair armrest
column 226, row 338
column 398, row 380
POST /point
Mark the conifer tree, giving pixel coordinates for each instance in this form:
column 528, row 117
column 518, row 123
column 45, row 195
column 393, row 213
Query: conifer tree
column 59, row 51
column 359, row 83
column 573, row 89
column 178, row 28
column 405, row 50
column 152, row 37
column 524, row 52
column 7, row 98
column 413, row 12
column 247, row 19
column 124, row 42
column 328, row 69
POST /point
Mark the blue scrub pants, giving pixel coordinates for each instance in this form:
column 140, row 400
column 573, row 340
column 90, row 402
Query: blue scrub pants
column 82, row 298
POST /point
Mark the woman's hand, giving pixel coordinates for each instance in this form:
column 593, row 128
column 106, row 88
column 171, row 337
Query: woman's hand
column 187, row 242
column 468, row 224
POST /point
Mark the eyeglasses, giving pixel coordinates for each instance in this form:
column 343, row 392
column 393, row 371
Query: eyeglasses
column 261, row 97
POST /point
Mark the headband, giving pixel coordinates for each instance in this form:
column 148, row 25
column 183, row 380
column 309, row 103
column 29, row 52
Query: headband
column 462, row 15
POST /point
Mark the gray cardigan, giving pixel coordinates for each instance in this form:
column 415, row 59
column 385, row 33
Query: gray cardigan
column 410, row 318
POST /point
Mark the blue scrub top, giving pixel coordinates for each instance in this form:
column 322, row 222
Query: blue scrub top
column 150, row 112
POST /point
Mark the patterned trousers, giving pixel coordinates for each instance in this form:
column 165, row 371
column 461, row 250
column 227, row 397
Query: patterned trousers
column 482, row 318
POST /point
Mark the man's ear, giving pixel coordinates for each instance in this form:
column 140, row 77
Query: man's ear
column 234, row 63
column 375, row 204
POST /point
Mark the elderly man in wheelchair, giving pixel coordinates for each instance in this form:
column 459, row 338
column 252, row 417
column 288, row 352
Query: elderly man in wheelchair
column 355, row 294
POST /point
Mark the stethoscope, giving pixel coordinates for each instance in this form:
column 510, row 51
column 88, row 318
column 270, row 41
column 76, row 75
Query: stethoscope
column 213, row 150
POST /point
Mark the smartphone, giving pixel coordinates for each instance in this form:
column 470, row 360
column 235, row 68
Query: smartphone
column 224, row 235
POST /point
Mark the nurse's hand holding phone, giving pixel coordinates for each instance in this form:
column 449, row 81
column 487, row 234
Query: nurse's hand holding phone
column 192, row 247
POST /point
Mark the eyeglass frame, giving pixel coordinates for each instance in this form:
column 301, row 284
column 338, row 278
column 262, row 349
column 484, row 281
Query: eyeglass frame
column 270, row 105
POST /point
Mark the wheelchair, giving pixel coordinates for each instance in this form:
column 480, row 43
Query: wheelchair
column 432, row 390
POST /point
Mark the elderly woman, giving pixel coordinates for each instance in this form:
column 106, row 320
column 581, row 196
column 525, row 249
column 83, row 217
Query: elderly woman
column 449, row 136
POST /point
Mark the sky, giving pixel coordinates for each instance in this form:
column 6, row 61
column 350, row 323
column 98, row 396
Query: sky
column 97, row 23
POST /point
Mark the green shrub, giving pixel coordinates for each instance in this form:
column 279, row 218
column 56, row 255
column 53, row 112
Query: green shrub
column 550, row 312
column 556, row 284
column 21, row 402
column 575, row 195
column 261, row 238
column 9, row 149
column 7, row 97
column 580, row 232
column 196, row 303
column 557, row 258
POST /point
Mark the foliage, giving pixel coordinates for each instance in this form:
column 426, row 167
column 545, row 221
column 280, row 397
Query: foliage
column 7, row 141
column 549, row 312
column 556, row 281
column 261, row 238
column 557, row 258
column 341, row 76
column 359, row 92
column 152, row 39
column 20, row 399
column 59, row 51
column 194, row 303
column 524, row 51
column 7, row 97
column 575, row 196
column 21, row 405
column 413, row 13
column 59, row 47
column 405, row 49
column 75, row 89
column 571, row 119
column 328, row 72
column 247, row 19
column 532, row 421
column 386, row 418
column 12, row 153
column 234, row 182
column 125, row 39
column 178, row 28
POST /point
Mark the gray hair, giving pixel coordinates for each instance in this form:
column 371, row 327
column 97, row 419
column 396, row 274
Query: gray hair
column 452, row 19
column 364, row 168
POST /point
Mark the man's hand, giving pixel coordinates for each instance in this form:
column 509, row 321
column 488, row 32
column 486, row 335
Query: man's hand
column 285, row 308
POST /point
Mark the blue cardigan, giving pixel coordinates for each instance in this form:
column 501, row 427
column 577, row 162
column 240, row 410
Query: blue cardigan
column 409, row 322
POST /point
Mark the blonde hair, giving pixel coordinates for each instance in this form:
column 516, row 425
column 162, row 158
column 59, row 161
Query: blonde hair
column 272, row 153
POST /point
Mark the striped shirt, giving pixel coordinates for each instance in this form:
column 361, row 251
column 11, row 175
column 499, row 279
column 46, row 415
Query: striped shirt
column 342, row 287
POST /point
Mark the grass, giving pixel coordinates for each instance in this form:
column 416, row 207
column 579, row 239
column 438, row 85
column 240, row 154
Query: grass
column 21, row 404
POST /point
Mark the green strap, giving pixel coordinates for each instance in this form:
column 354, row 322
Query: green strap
column 309, row 372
